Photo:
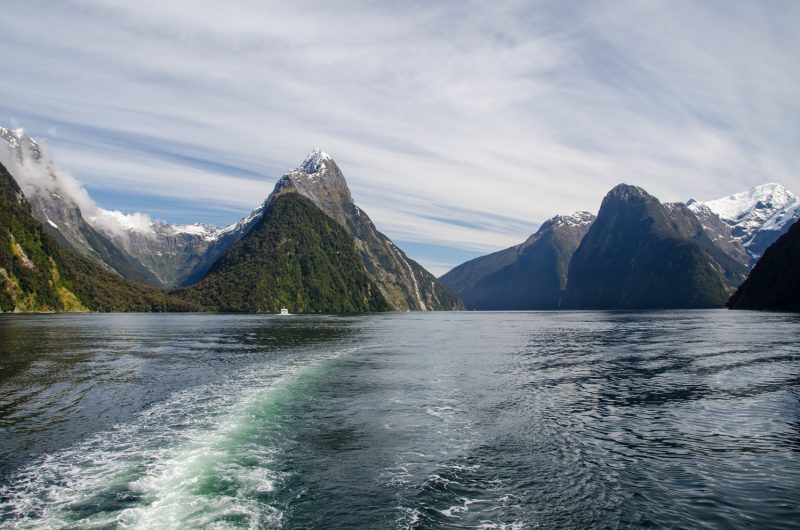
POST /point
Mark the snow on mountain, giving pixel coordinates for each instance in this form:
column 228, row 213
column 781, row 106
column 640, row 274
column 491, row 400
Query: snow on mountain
column 20, row 142
column 573, row 219
column 314, row 162
column 756, row 217
column 565, row 222
column 757, row 208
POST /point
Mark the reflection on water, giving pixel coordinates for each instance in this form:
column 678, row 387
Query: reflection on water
column 453, row 420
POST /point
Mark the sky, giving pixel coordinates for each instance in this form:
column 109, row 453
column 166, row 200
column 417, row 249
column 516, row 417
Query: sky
column 460, row 126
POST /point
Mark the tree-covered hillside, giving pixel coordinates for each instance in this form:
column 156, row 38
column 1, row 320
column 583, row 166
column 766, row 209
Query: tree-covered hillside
column 295, row 257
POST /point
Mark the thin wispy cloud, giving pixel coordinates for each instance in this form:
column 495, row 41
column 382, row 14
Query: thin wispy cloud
column 458, row 124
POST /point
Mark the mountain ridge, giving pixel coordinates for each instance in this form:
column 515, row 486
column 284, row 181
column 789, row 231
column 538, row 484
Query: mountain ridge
column 530, row 275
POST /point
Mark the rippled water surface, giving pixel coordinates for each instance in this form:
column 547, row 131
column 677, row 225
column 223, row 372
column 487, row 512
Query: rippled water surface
column 452, row 420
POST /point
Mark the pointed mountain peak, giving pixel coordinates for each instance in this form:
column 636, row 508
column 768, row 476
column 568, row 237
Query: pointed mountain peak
column 561, row 223
column 21, row 142
column 319, row 179
column 315, row 161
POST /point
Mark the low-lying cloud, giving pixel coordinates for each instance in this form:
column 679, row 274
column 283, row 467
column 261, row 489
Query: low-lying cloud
column 38, row 175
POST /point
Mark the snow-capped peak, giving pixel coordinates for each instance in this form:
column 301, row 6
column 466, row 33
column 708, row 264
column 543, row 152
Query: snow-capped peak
column 20, row 142
column 206, row 231
column 763, row 198
column 18, row 133
column 314, row 161
column 756, row 217
column 573, row 219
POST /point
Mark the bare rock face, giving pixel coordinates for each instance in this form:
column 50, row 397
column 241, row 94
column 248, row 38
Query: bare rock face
column 403, row 282
column 181, row 255
column 171, row 255
column 720, row 232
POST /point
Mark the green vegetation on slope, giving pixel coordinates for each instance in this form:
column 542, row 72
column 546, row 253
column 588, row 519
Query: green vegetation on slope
column 403, row 283
column 37, row 274
column 295, row 257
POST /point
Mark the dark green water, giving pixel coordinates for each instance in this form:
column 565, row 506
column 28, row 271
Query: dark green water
column 454, row 420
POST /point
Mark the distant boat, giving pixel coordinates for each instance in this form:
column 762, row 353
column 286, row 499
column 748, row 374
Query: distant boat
column 284, row 311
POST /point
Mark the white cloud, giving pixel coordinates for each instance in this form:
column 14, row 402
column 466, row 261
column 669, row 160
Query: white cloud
column 37, row 176
column 465, row 110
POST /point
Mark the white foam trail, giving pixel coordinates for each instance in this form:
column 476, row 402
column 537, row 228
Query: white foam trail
column 197, row 459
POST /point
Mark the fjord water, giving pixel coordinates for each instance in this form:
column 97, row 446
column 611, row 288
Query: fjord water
column 446, row 420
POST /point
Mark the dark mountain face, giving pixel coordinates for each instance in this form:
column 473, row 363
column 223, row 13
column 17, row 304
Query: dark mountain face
column 726, row 255
column 774, row 283
column 466, row 275
column 38, row 274
column 532, row 275
column 295, row 257
column 641, row 254
column 404, row 284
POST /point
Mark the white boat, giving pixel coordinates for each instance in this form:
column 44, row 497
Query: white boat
column 284, row 311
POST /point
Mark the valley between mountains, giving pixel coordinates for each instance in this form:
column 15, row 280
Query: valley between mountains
column 310, row 248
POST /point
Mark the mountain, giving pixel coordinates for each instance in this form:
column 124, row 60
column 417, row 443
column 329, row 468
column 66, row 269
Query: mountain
column 180, row 255
column 403, row 283
column 153, row 252
column 688, row 226
column 169, row 255
column 641, row 254
column 38, row 274
column 296, row 257
column 774, row 282
column 532, row 275
column 720, row 232
column 60, row 214
column 754, row 219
